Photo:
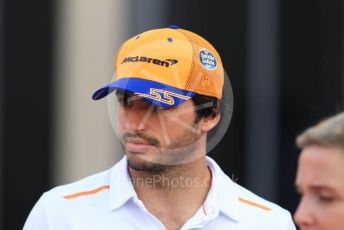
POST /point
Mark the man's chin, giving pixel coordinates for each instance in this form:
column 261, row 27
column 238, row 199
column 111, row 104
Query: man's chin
column 139, row 163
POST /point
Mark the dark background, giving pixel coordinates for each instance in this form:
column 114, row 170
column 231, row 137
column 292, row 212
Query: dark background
column 309, row 88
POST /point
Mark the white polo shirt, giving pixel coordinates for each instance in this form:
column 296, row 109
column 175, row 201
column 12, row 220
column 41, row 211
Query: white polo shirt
column 107, row 200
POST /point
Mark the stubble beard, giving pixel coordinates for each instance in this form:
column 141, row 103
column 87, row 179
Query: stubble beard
column 176, row 155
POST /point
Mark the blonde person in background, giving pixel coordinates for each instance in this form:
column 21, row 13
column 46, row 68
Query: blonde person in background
column 320, row 176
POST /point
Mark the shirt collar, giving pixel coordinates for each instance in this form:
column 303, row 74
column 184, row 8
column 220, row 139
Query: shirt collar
column 221, row 197
column 121, row 188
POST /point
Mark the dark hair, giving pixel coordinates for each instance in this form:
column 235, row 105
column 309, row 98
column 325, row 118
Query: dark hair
column 205, row 106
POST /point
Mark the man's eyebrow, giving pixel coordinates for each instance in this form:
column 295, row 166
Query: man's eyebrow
column 321, row 187
column 316, row 188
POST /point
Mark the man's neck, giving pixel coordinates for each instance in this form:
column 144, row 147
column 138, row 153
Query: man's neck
column 176, row 193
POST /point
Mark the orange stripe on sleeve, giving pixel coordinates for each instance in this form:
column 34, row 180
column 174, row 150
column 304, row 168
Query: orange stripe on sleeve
column 85, row 193
column 254, row 204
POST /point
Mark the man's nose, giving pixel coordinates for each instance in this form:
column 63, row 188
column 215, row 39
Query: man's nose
column 303, row 214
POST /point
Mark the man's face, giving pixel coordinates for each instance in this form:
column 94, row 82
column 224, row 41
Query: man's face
column 320, row 181
column 155, row 138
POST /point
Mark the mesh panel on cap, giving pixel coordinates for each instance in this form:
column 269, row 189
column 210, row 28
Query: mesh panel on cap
column 200, row 80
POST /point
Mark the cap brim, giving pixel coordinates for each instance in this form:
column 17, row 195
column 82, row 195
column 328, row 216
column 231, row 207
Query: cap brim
column 155, row 92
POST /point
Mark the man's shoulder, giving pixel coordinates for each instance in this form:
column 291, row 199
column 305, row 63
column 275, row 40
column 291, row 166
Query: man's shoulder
column 255, row 209
column 65, row 205
column 85, row 186
column 244, row 206
column 251, row 201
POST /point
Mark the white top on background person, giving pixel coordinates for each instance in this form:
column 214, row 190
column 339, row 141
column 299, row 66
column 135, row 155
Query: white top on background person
column 168, row 85
column 320, row 176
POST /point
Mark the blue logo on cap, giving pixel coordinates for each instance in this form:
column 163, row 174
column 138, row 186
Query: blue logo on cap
column 207, row 60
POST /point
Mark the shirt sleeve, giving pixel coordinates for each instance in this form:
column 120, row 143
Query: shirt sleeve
column 38, row 217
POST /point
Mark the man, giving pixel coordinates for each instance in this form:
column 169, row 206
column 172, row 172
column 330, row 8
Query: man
column 168, row 86
column 320, row 176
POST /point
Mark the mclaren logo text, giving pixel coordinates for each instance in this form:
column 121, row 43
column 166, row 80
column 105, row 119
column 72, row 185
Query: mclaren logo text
column 166, row 62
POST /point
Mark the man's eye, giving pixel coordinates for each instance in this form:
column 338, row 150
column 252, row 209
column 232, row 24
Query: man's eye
column 159, row 108
column 124, row 101
column 326, row 199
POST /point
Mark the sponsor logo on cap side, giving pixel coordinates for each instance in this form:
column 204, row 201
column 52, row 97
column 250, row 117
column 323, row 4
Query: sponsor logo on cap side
column 165, row 63
column 207, row 59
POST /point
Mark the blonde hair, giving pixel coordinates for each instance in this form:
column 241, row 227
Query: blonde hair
column 329, row 132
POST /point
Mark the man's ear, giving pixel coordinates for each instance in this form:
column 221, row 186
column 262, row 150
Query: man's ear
column 209, row 122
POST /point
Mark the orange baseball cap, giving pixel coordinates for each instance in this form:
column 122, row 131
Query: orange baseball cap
column 167, row 67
